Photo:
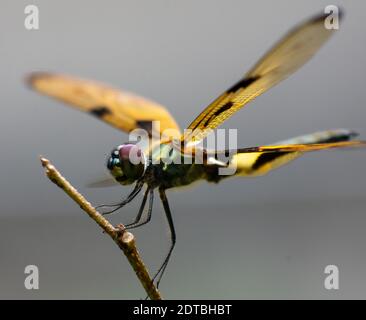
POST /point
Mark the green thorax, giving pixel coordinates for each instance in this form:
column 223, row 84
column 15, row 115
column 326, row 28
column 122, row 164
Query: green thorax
column 172, row 169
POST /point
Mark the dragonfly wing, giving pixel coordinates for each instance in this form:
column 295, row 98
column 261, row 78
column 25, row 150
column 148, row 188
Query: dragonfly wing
column 288, row 55
column 123, row 110
column 258, row 161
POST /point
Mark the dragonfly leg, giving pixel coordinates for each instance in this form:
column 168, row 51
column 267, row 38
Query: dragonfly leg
column 138, row 222
column 160, row 272
column 129, row 198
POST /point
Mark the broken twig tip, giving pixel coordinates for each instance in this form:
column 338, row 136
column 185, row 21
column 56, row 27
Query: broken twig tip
column 45, row 162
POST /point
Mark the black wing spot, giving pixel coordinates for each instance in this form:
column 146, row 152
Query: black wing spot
column 146, row 125
column 242, row 84
column 339, row 138
column 224, row 108
column 265, row 158
column 100, row 112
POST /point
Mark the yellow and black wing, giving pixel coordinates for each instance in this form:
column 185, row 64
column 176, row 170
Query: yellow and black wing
column 288, row 55
column 257, row 161
column 120, row 109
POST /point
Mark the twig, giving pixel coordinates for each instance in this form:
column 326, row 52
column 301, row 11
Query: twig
column 124, row 239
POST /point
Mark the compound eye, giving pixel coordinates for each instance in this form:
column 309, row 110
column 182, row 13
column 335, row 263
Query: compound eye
column 110, row 163
column 130, row 152
column 115, row 153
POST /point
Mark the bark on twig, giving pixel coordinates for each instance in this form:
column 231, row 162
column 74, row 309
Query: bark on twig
column 124, row 239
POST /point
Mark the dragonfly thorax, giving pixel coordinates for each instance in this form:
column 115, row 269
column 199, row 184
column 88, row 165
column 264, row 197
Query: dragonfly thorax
column 127, row 163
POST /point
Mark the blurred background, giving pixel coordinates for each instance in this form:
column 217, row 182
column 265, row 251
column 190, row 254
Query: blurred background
column 269, row 237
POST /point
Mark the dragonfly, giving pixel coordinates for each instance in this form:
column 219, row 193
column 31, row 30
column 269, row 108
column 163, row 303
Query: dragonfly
column 127, row 112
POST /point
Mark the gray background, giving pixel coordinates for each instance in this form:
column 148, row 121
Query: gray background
column 269, row 237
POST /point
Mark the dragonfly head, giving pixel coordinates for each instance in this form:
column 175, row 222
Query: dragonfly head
column 127, row 163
